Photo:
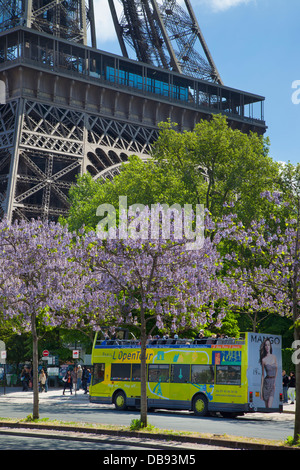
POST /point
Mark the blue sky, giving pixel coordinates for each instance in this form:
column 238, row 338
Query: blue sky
column 255, row 45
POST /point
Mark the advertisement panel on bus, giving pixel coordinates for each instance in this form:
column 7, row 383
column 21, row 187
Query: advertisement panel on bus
column 264, row 372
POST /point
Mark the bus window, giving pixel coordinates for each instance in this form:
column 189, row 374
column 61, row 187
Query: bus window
column 230, row 375
column 180, row 373
column 136, row 372
column 120, row 372
column 158, row 373
column 202, row 374
column 98, row 373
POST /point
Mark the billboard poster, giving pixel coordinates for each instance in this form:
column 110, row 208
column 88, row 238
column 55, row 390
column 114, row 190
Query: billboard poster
column 265, row 370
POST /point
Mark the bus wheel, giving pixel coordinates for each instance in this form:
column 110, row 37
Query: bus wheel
column 120, row 401
column 200, row 405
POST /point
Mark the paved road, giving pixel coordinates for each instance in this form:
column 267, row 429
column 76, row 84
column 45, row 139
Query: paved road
column 17, row 441
column 54, row 405
column 27, row 439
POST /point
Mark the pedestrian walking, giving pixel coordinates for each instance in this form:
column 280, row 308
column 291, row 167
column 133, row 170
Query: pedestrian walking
column 285, row 386
column 68, row 382
column 292, row 387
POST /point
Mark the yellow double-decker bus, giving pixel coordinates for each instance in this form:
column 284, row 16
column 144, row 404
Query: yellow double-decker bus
column 229, row 376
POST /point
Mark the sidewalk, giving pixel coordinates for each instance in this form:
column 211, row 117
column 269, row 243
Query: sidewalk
column 16, row 395
column 288, row 408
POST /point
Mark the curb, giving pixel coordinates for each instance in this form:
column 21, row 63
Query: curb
column 237, row 445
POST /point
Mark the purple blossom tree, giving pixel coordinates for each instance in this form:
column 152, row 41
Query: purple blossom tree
column 264, row 263
column 39, row 283
column 140, row 281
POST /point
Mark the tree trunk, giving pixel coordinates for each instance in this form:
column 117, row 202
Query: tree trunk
column 297, row 401
column 296, row 320
column 143, row 377
column 35, row 365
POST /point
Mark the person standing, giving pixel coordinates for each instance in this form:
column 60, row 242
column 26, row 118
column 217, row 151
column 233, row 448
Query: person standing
column 46, row 384
column 79, row 377
column 42, row 381
column 85, row 378
column 74, row 377
column 25, row 378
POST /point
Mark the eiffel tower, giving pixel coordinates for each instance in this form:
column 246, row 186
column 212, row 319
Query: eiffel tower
column 67, row 108
column 164, row 34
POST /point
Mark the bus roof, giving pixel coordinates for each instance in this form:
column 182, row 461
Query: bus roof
column 167, row 343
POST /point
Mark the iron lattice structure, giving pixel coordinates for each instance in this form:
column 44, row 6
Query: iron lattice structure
column 165, row 34
column 55, row 144
column 70, row 108
column 67, row 19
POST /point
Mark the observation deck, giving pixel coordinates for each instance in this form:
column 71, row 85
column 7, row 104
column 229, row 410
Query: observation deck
column 94, row 74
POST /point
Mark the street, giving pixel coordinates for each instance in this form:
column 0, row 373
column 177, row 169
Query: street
column 71, row 408
column 18, row 441
column 37, row 439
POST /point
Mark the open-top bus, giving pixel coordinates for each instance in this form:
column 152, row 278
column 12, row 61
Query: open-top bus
column 229, row 376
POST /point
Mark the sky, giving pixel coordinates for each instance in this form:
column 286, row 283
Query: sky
column 255, row 46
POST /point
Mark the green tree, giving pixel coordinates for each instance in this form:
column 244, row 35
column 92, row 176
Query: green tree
column 143, row 182
column 213, row 165
column 219, row 166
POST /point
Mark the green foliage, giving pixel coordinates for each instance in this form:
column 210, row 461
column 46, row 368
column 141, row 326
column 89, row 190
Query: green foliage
column 290, row 441
column 230, row 325
column 19, row 347
column 29, row 419
column 287, row 363
column 219, row 165
column 137, row 425
column 211, row 165
column 143, row 182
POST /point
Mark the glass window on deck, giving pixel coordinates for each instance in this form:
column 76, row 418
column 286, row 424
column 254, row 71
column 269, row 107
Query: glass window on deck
column 120, row 372
column 229, row 375
column 158, row 373
column 98, row 373
column 202, row 374
column 180, row 373
column 136, row 372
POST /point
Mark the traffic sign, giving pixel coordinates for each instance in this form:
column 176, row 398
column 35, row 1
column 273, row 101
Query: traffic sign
column 75, row 353
column 45, row 353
